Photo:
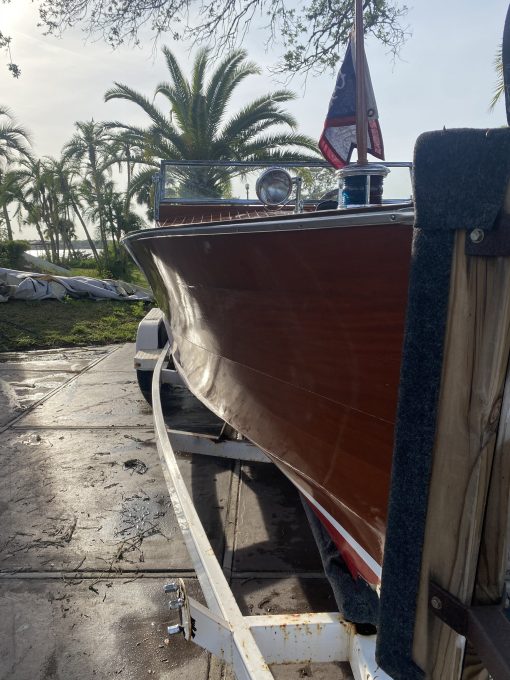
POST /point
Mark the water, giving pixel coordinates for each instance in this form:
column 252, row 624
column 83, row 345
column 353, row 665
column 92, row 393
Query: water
column 39, row 252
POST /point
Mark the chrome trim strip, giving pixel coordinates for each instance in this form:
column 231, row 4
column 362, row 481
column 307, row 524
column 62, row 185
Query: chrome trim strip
column 404, row 216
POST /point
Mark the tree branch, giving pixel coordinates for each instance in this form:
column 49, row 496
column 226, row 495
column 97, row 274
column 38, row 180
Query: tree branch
column 311, row 35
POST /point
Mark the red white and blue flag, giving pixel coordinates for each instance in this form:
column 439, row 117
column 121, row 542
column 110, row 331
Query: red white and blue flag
column 339, row 136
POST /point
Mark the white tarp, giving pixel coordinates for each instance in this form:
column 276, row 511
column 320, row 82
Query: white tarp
column 18, row 285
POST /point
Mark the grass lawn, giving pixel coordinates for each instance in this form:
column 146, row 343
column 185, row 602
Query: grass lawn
column 48, row 323
column 136, row 277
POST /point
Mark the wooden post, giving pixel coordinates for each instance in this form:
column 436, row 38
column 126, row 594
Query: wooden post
column 361, row 106
column 465, row 536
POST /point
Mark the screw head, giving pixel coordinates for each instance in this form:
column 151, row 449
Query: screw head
column 436, row 603
column 477, row 235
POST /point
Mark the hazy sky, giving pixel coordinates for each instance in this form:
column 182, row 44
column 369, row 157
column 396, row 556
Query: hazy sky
column 445, row 76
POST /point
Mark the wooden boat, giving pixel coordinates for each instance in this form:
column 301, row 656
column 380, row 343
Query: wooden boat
column 297, row 330
column 366, row 350
column 289, row 327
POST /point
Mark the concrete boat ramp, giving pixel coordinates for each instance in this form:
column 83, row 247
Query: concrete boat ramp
column 88, row 536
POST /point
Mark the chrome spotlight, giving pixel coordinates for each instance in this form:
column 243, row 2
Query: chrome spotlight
column 274, row 186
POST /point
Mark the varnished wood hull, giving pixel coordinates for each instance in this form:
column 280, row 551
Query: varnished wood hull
column 294, row 337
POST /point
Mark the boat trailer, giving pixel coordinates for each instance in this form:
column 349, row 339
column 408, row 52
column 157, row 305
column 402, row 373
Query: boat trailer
column 250, row 644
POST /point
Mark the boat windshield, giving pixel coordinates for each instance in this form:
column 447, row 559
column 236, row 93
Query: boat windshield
column 234, row 182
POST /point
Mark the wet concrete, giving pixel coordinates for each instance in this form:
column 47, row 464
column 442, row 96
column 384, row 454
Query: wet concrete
column 272, row 530
column 88, row 535
column 26, row 378
column 72, row 360
column 74, row 495
column 283, row 594
column 63, row 629
column 106, row 399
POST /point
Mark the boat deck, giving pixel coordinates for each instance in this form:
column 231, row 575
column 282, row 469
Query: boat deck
column 88, row 536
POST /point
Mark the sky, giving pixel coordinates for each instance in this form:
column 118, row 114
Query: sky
column 444, row 77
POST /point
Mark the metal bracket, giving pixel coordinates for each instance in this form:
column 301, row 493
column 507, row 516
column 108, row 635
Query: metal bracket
column 493, row 243
column 280, row 638
column 485, row 626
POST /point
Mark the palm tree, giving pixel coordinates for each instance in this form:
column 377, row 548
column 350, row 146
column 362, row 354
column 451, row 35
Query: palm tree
column 89, row 148
column 141, row 187
column 42, row 204
column 14, row 144
column 124, row 147
column 48, row 201
column 64, row 172
column 14, row 139
column 198, row 127
column 28, row 196
column 11, row 191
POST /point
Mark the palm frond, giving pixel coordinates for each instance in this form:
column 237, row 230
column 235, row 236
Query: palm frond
column 279, row 143
column 126, row 93
column 262, row 109
column 180, row 83
column 499, row 88
column 141, row 182
column 178, row 106
column 199, row 69
column 15, row 140
column 226, row 77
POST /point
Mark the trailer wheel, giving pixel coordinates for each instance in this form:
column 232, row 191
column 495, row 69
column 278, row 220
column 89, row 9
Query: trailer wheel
column 145, row 384
column 151, row 336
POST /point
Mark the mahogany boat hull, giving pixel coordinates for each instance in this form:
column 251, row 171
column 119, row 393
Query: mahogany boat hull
column 291, row 331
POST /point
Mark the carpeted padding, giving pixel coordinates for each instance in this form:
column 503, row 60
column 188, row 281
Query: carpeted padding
column 460, row 178
column 414, row 438
column 355, row 599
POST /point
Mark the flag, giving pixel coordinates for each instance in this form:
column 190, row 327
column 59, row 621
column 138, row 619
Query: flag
column 339, row 136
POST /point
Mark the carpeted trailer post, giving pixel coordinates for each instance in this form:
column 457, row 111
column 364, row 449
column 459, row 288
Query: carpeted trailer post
column 453, row 372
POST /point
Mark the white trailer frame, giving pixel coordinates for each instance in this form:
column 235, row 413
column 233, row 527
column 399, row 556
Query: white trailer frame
column 250, row 644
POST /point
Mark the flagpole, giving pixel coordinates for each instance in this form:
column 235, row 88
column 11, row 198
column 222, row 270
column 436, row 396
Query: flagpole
column 361, row 107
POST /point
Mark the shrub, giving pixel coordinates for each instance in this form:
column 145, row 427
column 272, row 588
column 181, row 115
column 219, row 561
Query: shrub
column 11, row 254
column 117, row 265
column 80, row 260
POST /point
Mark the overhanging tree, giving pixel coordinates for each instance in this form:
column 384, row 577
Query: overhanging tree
column 311, row 34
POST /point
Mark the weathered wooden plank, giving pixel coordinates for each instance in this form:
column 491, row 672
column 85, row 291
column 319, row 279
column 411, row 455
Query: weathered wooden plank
column 493, row 559
column 465, row 459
